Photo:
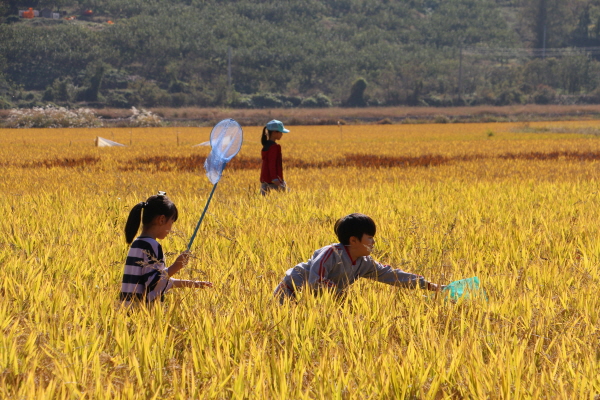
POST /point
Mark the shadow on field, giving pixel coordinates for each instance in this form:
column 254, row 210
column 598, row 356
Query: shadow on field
column 196, row 162
column 62, row 162
column 193, row 163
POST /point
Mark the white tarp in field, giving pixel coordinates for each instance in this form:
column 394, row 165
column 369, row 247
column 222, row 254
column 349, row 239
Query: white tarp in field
column 101, row 142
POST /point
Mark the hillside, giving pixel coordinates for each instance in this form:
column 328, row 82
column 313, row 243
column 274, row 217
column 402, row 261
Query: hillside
column 301, row 53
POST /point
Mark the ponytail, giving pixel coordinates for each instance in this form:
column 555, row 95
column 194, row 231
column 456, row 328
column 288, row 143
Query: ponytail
column 133, row 221
column 153, row 207
column 264, row 137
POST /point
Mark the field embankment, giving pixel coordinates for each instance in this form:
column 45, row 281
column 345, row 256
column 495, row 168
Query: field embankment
column 372, row 115
column 194, row 116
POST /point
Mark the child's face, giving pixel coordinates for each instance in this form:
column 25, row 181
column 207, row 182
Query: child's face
column 276, row 135
column 362, row 247
column 164, row 227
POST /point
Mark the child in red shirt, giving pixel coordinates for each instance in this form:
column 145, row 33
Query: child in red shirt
column 271, row 173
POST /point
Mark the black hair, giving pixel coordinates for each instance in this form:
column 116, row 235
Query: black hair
column 266, row 135
column 354, row 225
column 153, row 207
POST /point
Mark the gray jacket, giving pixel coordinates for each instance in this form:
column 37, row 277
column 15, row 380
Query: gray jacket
column 331, row 267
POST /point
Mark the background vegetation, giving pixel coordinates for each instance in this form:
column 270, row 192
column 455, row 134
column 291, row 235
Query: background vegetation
column 305, row 53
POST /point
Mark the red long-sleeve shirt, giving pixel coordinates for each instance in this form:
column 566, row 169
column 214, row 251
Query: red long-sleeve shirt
column 272, row 165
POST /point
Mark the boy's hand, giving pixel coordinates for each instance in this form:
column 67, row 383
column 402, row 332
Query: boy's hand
column 434, row 287
column 202, row 284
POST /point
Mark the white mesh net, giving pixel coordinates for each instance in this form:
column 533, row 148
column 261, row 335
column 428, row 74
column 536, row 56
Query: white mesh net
column 226, row 141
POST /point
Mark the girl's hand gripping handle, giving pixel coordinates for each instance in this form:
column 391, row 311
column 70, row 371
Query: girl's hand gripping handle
column 181, row 261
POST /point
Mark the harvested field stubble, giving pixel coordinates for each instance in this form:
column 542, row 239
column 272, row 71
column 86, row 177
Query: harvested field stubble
column 518, row 209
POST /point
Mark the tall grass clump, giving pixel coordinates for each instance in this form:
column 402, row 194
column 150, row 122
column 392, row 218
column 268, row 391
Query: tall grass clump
column 52, row 117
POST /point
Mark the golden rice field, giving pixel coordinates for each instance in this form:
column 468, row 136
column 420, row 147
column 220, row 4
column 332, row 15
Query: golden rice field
column 517, row 205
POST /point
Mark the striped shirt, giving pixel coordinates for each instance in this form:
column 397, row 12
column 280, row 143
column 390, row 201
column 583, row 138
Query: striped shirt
column 145, row 277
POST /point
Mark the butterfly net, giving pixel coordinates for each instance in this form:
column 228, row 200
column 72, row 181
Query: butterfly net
column 225, row 140
column 464, row 288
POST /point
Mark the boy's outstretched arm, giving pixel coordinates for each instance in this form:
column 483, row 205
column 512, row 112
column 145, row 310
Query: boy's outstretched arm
column 397, row 277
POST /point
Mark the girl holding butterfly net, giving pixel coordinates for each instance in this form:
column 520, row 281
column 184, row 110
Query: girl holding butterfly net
column 146, row 277
column 271, row 173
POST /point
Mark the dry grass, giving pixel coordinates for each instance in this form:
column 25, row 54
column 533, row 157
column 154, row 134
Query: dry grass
column 378, row 114
column 525, row 224
column 375, row 115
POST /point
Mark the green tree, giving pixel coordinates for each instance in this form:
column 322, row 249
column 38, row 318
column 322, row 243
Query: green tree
column 458, row 23
column 92, row 93
column 357, row 94
column 37, row 55
column 548, row 23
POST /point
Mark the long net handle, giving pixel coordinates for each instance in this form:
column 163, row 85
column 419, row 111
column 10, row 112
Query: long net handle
column 202, row 217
